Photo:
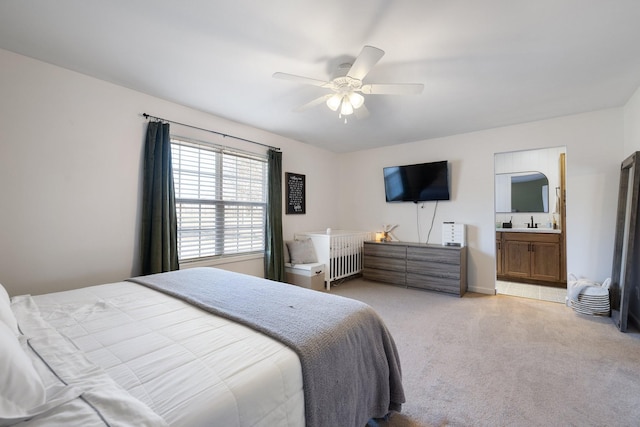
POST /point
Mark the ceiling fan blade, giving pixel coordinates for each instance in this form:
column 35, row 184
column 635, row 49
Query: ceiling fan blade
column 393, row 89
column 369, row 56
column 313, row 103
column 361, row 113
column 299, row 79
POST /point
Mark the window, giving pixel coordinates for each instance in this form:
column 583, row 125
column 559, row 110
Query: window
column 220, row 200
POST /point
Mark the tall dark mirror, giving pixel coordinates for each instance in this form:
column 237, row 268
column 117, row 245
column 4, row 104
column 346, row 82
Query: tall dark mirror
column 625, row 271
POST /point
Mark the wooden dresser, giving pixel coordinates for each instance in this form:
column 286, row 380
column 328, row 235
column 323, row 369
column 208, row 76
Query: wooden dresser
column 416, row 265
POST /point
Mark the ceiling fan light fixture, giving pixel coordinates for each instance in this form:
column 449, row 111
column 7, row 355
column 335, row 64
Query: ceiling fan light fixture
column 348, row 87
column 356, row 100
column 346, row 108
column 334, row 102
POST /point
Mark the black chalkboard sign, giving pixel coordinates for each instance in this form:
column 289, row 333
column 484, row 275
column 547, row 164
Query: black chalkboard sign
column 295, row 183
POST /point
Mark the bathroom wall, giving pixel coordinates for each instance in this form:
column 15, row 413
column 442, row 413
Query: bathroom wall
column 541, row 160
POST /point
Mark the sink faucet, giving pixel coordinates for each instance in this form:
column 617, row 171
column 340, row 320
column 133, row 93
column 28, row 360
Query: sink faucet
column 532, row 225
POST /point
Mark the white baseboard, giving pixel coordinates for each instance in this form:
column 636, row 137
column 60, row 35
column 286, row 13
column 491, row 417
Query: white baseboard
column 481, row 290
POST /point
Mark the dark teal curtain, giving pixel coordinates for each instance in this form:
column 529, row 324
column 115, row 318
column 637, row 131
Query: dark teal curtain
column 274, row 243
column 158, row 240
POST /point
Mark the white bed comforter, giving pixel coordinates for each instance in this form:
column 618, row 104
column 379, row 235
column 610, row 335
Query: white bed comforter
column 78, row 393
column 188, row 366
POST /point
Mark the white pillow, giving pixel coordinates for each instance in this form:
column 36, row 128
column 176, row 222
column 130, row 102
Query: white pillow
column 6, row 314
column 21, row 388
column 302, row 252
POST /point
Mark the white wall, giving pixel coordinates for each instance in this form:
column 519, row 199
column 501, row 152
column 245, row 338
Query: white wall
column 70, row 176
column 632, row 124
column 594, row 146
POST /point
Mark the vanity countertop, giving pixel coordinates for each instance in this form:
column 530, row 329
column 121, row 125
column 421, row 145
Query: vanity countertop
column 530, row 230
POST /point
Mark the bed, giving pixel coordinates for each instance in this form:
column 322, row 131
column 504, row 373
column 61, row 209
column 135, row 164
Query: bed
column 195, row 347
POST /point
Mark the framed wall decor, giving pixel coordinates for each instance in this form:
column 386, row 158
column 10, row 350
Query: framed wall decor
column 295, row 193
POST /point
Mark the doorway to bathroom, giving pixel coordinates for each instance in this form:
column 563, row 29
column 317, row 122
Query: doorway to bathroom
column 530, row 219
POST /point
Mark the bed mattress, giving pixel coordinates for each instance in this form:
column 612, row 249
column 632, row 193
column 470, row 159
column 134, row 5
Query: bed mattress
column 188, row 366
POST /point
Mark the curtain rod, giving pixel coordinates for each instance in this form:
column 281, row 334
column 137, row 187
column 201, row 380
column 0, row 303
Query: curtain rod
column 224, row 135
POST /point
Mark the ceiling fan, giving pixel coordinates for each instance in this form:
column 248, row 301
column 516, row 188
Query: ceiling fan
column 348, row 86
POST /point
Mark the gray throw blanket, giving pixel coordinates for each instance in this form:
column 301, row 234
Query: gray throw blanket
column 350, row 364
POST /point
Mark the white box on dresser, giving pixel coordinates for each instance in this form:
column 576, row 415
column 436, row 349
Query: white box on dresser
column 453, row 234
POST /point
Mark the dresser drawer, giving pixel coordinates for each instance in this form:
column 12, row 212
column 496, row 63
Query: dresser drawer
column 385, row 250
column 433, row 269
column 388, row 276
column 382, row 263
column 440, row 255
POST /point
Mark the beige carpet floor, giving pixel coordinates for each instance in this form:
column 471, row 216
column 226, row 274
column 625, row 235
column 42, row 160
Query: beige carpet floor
column 484, row 360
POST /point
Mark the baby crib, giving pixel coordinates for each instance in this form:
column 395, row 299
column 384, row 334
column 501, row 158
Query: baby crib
column 341, row 251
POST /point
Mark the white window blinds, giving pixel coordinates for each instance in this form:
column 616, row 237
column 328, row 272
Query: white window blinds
column 220, row 200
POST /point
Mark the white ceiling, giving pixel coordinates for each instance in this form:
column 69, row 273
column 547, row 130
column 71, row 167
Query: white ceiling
column 484, row 63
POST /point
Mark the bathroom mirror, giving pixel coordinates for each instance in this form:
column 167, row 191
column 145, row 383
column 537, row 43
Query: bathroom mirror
column 526, row 192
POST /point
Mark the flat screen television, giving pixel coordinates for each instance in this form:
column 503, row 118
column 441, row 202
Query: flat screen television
column 417, row 183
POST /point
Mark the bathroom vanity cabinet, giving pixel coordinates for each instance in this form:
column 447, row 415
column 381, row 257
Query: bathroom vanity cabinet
column 529, row 256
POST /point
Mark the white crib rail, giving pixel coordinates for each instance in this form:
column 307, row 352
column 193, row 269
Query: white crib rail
column 341, row 252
